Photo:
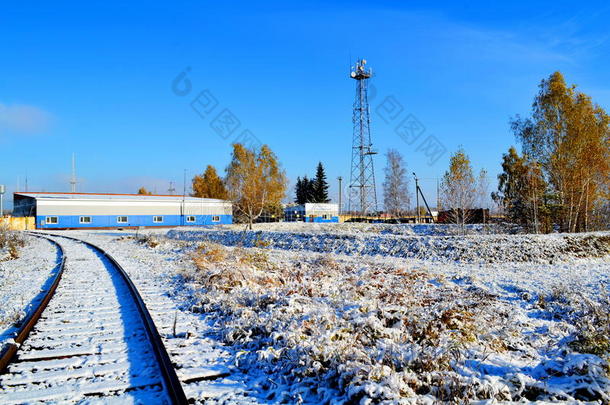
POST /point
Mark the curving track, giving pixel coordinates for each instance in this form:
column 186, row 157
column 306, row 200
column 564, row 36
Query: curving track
column 95, row 340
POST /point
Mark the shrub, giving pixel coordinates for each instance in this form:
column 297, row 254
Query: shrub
column 149, row 240
column 593, row 329
column 11, row 241
column 208, row 253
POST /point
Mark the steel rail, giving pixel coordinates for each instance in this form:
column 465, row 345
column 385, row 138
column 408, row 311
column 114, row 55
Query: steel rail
column 27, row 324
column 170, row 379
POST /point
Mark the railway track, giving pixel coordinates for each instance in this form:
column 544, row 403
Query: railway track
column 94, row 340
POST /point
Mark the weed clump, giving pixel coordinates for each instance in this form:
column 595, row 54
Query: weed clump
column 11, row 242
column 593, row 326
column 208, row 253
column 149, row 240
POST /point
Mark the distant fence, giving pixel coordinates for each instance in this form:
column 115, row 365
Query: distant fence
column 408, row 219
column 18, row 223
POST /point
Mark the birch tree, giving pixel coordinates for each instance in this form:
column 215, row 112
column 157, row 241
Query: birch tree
column 568, row 135
column 483, row 193
column 458, row 190
column 396, row 198
column 255, row 182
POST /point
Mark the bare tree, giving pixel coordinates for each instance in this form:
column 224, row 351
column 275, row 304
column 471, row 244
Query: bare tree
column 396, row 196
column 483, row 192
column 458, row 190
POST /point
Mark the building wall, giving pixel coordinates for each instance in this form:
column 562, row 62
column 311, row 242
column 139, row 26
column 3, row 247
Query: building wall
column 118, row 207
column 18, row 223
column 104, row 212
column 320, row 219
column 312, row 212
column 110, row 221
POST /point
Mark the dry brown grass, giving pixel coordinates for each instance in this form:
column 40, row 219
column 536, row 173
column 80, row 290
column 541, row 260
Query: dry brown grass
column 257, row 258
column 149, row 240
column 262, row 244
column 224, row 269
column 327, row 262
column 12, row 242
column 207, row 254
column 594, row 329
column 13, row 252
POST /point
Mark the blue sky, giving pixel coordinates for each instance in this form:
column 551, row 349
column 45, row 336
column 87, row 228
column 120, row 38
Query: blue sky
column 96, row 79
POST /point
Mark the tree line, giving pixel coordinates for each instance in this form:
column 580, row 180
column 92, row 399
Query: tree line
column 314, row 190
column 559, row 181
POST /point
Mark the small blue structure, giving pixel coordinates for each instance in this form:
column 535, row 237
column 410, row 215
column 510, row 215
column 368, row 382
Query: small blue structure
column 89, row 210
column 312, row 212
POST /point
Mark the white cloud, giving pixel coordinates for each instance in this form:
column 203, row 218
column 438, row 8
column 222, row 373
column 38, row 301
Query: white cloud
column 23, row 119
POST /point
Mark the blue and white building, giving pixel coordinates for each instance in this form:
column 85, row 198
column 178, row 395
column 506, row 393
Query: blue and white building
column 312, row 212
column 88, row 210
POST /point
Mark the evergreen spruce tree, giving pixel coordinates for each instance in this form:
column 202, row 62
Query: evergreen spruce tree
column 303, row 190
column 320, row 186
column 298, row 191
column 308, row 192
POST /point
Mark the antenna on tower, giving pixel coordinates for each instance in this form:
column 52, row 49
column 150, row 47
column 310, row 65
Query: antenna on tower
column 73, row 179
column 362, row 192
column 171, row 190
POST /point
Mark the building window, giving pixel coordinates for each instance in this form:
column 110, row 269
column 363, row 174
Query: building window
column 190, row 218
column 325, row 216
column 215, row 218
column 121, row 220
column 158, row 219
column 85, row 220
column 51, row 220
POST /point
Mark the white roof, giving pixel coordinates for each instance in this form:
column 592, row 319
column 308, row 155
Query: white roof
column 313, row 207
column 115, row 197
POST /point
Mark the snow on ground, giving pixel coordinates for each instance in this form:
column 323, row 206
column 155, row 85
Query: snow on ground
column 21, row 282
column 468, row 248
column 204, row 363
column 90, row 339
column 292, row 324
column 360, row 227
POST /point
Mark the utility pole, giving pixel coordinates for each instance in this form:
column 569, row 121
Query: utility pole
column 418, row 192
column 416, row 198
column 2, row 190
column 183, row 197
column 73, row 179
column 340, row 190
column 438, row 196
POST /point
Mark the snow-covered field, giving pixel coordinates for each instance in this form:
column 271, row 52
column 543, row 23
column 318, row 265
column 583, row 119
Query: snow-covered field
column 359, row 228
column 21, row 280
column 472, row 248
column 367, row 314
